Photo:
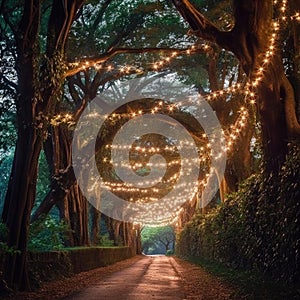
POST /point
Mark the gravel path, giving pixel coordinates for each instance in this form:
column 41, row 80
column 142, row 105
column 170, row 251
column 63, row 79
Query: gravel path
column 138, row 278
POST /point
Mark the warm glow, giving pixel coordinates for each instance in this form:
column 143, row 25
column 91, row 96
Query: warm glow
column 248, row 90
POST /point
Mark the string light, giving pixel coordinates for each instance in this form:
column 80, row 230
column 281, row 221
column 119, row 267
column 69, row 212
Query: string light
column 295, row 17
column 62, row 119
column 248, row 89
column 237, row 128
column 79, row 66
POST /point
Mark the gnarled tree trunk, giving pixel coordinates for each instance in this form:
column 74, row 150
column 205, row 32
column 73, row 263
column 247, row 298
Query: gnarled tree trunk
column 37, row 97
column 249, row 40
column 95, row 225
column 64, row 192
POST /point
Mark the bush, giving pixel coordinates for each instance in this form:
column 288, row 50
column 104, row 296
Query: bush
column 170, row 252
column 47, row 234
column 4, row 248
column 257, row 227
column 105, row 241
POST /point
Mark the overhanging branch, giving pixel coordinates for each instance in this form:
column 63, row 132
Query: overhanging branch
column 111, row 53
column 201, row 26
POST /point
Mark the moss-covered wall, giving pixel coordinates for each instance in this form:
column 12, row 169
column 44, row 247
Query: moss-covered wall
column 50, row 265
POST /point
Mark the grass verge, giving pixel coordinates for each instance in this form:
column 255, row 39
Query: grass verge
column 249, row 284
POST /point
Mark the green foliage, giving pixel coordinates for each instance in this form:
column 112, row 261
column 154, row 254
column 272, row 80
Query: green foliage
column 105, row 241
column 4, row 248
column 257, row 227
column 157, row 239
column 7, row 133
column 248, row 284
column 170, row 252
column 47, row 234
column 5, row 169
column 43, row 180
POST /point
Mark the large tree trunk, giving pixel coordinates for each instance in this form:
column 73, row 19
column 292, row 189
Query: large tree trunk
column 18, row 205
column 72, row 204
column 22, row 185
column 64, row 192
column 275, row 99
column 249, row 41
column 78, row 213
column 95, row 225
column 37, row 97
column 73, row 211
column 239, row 163
column 113, row 229
column 138, row 238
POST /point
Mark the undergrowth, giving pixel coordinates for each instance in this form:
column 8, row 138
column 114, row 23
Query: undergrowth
column 256, row 228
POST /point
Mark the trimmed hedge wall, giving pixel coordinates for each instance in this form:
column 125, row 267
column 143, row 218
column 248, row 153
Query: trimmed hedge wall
column 256, row 228
column 50, row 265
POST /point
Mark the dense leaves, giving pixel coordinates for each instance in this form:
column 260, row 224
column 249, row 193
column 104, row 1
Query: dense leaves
column 257, row 227
column 4, row 248
column 47, row 234
column 5, row 169
column 158, row 240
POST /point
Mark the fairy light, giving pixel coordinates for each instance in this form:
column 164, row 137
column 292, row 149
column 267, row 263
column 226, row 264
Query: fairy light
column 97, row 67
column 251, row 86
column 295, row 17
column 248, row 89
column 174, row 162
column 156, row 65
column 62, row 119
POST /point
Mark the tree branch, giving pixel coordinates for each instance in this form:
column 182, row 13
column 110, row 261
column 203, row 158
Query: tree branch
column 99, row 17
column 201, row 26
column 72, row 90
column 112, row 52
column 11, row 86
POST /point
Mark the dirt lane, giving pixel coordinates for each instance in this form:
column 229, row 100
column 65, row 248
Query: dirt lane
column 152, row 277
column 137, row 278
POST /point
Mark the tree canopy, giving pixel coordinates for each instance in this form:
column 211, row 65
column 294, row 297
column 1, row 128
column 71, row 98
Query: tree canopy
column 241, row 57
column 158, row 240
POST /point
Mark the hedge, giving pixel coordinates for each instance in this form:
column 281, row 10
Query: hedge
column 256, row 228
column 45, row 266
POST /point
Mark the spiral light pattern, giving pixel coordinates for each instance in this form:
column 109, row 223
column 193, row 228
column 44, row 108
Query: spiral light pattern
column 142, row 168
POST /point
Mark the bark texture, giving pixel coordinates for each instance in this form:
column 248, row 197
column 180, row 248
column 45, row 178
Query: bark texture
column 249, row 40
column 33, row 106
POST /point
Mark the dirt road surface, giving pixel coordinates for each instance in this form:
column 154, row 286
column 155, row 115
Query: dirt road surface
column 153, row 277
column 137, row 278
